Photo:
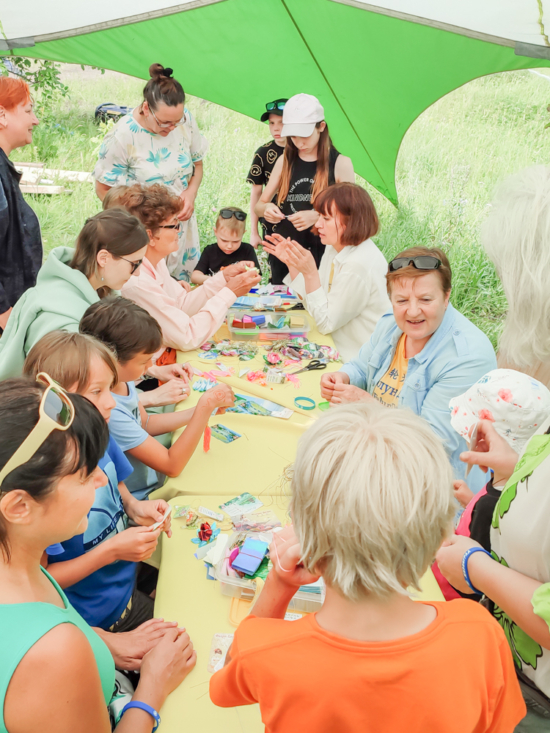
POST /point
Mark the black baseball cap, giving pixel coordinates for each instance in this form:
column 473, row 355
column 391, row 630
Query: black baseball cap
column 274, row 108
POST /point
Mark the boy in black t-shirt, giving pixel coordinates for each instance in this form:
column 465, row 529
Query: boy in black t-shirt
column 229, row 247
column 262, row 165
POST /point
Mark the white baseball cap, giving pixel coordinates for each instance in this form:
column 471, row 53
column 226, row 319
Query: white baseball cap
column 300, row 115
column 516, row 403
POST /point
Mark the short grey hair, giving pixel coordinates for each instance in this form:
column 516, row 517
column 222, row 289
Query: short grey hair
column 516, row 237
column 372, row 498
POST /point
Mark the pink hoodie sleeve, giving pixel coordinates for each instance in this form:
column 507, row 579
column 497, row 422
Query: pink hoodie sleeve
column 180, row 330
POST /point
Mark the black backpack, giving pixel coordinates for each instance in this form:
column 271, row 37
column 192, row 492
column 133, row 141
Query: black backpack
column 110, row 111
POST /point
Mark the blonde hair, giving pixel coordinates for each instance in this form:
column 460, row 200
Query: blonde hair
column 233, row 224
column 371, row 498
column 66, row 357
column 516, row 237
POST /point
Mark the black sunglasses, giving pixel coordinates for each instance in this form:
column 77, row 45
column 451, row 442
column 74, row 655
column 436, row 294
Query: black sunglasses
column 228, row 213
column 135, row 265
column 170, row 226
column 275, row 105
column 423, row 262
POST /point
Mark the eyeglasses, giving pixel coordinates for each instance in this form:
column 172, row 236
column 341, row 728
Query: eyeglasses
column 135, row 264
column 170, row 226
column 275, row 105
column 56, row 412
column 228, row 213
column 166, row 125
column 423, row 262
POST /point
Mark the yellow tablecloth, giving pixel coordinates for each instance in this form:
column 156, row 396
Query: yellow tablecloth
column 185, row 595
column 256, row 461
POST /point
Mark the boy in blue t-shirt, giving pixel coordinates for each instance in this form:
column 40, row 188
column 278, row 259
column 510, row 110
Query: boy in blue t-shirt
column 135, row 337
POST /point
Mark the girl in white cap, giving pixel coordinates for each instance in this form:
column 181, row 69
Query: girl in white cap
column 309, row 165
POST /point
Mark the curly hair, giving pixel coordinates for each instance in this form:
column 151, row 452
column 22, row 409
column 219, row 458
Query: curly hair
column 151, row 204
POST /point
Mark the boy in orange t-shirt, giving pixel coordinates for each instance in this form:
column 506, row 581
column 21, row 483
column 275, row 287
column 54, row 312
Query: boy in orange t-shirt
column 371, row 503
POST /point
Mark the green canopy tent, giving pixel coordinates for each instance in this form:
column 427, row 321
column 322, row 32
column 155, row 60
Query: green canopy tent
column 374, row 66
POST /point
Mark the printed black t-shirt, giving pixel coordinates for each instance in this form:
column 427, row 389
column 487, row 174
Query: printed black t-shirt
column 263, row 163
column 213, row 259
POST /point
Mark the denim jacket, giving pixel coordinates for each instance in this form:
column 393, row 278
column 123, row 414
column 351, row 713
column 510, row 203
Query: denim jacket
column 456, row 356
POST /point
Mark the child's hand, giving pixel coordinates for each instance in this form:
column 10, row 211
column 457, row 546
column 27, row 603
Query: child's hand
column 135, row 544
column 462, row 492
column 255, row 239
column 171, row 371
column 147, row 513
column 304, row 219
column 273, row 214
column 170, row 393
column 286, row 555
column 241, row 284
column 220, row 396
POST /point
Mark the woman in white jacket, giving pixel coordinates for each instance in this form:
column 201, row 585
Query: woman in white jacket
column 347, row 295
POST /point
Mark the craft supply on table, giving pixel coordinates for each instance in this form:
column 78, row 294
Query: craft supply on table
column 205, row 512
column 258, row 406
column 324, row 406
column 218, row 651
column 223, row 433
column 249, row 556
column 242, row 504
column 188, row 514
column 206, row 439
column 258, row 522
column 201, row 385
column 212, row 350
column 206, row 533
column 314, row 365
column 304, row 403
column 271, row 326
column 302, row 348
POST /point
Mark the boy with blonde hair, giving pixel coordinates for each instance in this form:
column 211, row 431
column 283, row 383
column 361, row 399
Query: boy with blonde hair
column 228, row 248
column 371, row 503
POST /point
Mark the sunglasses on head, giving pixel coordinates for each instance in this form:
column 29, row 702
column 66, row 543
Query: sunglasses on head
column 56, row 412
column 275, row 105
column 228, row 213
column 422, row 262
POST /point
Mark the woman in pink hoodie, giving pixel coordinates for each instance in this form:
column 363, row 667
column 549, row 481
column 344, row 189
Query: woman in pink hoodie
column 187, row 318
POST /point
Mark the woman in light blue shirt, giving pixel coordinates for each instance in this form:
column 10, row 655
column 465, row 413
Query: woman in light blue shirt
column 422, row 354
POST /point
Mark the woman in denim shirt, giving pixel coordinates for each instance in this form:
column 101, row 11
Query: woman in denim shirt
column 422, row 354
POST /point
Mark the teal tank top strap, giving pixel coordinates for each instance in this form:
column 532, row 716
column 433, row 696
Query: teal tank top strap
column 23, row 624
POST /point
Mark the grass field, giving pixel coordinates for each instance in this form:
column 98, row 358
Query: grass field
column 449, row 163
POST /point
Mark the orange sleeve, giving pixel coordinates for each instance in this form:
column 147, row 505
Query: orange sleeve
column 230, row 686
column 509, row 707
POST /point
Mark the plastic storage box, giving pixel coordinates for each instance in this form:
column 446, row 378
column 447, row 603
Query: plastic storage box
column 245, row 589
column 265, row 332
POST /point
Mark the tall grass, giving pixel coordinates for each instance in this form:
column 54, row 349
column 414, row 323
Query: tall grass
column 449, row 163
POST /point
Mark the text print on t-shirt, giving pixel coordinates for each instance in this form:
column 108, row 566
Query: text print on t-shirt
column 295, row 197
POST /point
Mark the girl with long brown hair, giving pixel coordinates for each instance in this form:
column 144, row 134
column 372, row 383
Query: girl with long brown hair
column 309, row 165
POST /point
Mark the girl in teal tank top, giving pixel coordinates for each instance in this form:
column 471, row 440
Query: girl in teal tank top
column 50, row 446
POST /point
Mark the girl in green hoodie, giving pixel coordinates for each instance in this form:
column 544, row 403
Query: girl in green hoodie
column 109, row 249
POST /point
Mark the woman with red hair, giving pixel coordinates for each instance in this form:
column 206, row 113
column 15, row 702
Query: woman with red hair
column 21, row 251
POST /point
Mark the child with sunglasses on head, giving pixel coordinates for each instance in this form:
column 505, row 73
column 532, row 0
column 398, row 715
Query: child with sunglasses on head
column 263, row 163
column 99, row 568
column 229, row 247
column 135, row 337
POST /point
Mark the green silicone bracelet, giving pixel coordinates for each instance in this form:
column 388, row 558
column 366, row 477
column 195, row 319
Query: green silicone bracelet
column 308, row 403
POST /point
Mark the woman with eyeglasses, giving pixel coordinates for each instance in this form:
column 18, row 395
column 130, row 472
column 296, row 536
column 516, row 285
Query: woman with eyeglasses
column 187, row 319
column 109, row 249
column 422, row 354
column 56, row 674
column 159, row 142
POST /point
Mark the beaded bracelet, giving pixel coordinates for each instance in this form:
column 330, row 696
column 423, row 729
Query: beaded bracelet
column 143, row 706
column 467, row 555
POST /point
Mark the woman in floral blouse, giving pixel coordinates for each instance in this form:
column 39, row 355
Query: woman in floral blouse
column 159, row 142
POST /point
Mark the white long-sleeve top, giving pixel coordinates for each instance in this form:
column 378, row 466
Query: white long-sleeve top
column 350, row 308
column 187, row 319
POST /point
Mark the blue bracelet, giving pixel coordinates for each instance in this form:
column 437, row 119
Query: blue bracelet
column 304, row 403
column 143, row 706
column 467, row 555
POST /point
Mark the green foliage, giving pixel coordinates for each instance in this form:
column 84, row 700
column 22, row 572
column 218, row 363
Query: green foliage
column 449, row 163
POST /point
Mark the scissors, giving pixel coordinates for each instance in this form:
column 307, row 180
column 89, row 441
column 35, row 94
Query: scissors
column 313, row 365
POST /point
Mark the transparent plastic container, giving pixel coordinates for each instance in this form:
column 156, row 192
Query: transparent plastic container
column 264, row 332
column 246, row 589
